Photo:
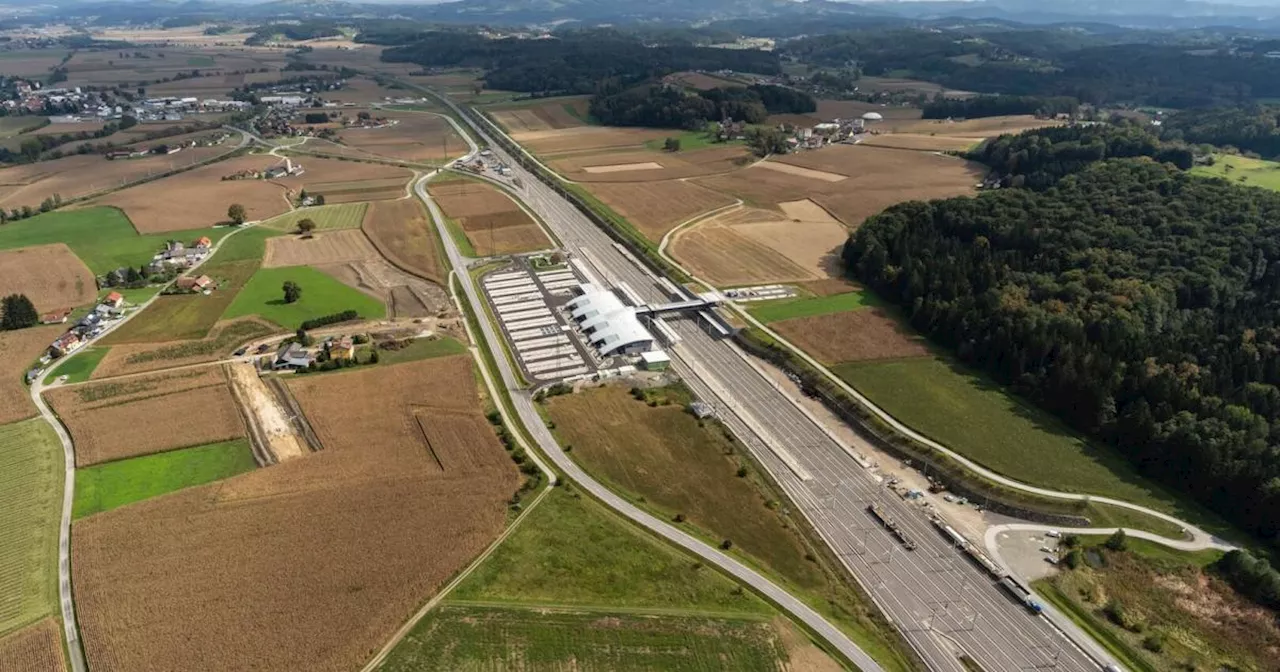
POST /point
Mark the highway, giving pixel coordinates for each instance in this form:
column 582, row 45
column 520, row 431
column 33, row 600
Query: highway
column 944, row 605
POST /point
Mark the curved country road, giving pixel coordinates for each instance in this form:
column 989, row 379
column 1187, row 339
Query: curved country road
column 533, row 423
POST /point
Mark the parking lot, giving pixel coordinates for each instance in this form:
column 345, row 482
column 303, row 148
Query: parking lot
column 526, row 303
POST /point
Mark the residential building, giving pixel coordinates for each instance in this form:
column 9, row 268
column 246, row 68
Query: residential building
column 58, row 316
column 113, row 300
column 342, row 348
column 293, row 356
column 65, row 344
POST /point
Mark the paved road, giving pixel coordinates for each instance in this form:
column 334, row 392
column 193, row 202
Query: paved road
column 75, row 650
column 533, row 423
column 943, row 604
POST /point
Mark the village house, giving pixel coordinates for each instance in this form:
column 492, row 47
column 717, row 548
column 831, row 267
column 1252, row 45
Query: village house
column 58, row 316
column 65, row 344
column 194, row 284
column 342, row 348
column 203, row 243
column 113, row 300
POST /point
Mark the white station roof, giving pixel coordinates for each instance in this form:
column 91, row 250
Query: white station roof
column 609, row 323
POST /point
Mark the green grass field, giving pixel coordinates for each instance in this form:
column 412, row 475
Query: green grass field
column 679, row 465
column 79, row 367
column 422, row 348
column 457, row 638
column 786, row 309
column 201, row 61
column 11, row 126
column 30, row 506
column 111, row 485
column 326, row 217
column 979, row 419
column 321, row 295
column 690, row 140
column 572, row 552
column 131, row 296
column 1243, row 170
column 102, row 237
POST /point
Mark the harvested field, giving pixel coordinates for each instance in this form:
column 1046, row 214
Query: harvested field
column 857, row 335
column 269, row 426
column 879, row 178
column 520, row 121
column 927, row 143
column 18, row 349
column 203, row 197
column 325, row 217
column 401, row 232
column 335, row 171
column 143, row 357
column 703, row 82
column 596, row 167
column 493, row 222
column 624, row 167
column 846, row 109
column 81, row 175
column 50, row 275
column 35, row 648
column 830, row 286
column 362, row 90
column 416, row 136
column 805, row 242
column 405, row 295
column 189, row 316
column 725, row 257
column 104, row 417
column 985, row 127
column 559, row 141
column 31, row 62
column 333, row 247
column 353, row 192
column 801, row 172
column 656, row 207
column 175, row 602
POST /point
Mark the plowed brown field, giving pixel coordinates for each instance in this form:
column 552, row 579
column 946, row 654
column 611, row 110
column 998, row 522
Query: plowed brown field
column 637, row 165
column 35, row 648
column 401, row 232
column 18, row 349
column 52, row 276
column 310, row 564
column 112, row 420
column 80, row 175
column 143, row 357
column 851, row 336
column 494, row 223
column 656, row 207
column 334, row 247
column 561, row 140
column 416, row 137
column 199, row 198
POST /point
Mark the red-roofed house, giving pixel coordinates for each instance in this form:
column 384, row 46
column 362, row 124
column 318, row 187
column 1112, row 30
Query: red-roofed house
column 56, row 317
column 114, row 299
column 194, row 284
column 203, row 242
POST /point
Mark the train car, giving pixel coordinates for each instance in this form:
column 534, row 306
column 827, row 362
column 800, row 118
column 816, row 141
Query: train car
column 889, row 524
column 950, row 533
column 1021, row 594
column 984, row 562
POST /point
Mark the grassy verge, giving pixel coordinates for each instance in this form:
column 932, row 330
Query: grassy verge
column 31, row 476
column 107, row 486
column 692, row 472
column 460, row 238
column 981, row 420
column 79, row 367
column 786, row 309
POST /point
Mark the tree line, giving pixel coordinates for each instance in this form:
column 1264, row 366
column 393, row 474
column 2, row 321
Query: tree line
column 661, row 106
column 577, row 63
column 1251, row 128
column 998, row 106
column 1137, row 302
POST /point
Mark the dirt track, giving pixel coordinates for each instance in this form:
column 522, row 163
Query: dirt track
column 267, row 420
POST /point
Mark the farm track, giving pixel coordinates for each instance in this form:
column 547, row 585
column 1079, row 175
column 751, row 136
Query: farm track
column 258, row 442
column 296, row 416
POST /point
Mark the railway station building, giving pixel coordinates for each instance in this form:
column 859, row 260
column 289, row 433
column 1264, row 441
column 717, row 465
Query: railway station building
column 611, row 326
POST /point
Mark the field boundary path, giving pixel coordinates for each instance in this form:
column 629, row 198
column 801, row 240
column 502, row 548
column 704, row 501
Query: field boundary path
column 75, row 651
column 537, row 429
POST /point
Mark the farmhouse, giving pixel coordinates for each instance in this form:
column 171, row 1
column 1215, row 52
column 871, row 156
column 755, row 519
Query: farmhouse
column 611, row 326
column 202, row 243
column 64, row 344
column 341, row 348
column 194, row 284
column 113, row 300
column 293, row 356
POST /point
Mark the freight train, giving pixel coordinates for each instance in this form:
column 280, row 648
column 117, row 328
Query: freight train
column 996, row 572
column 890, row 524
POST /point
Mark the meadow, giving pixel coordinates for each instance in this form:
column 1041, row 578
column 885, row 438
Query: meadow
column 79, row 367
column 322, row 295
column 326, row 217
column 31, row 478
column 103, row 238
column 1242, row 170
column 111, row 485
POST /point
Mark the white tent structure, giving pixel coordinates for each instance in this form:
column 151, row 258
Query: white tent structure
column 611, row 326
column 873, row 116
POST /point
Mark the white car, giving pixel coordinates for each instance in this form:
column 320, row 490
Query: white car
column 1053, row 533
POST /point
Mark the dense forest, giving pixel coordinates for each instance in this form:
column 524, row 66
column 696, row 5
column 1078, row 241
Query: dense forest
column 1137, row 302
column 1037, row 159
column 303, row 30
column 1043, row 63
column 1254, row 128
column 996, row 106
column 660, row 106
column 580, row 62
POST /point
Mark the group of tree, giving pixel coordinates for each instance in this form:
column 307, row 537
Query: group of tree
column 1252, row 576
column 997, row 106
column 1137, row 302
column 17, row 312
column 1039, row 158
column 594, row 61
column 302, row 30
column 1250, row 128
column 32, row 147
column 292, row 291
column 666, row 106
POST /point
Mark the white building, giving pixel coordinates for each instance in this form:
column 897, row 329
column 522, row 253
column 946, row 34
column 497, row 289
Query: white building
column 611, row 326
